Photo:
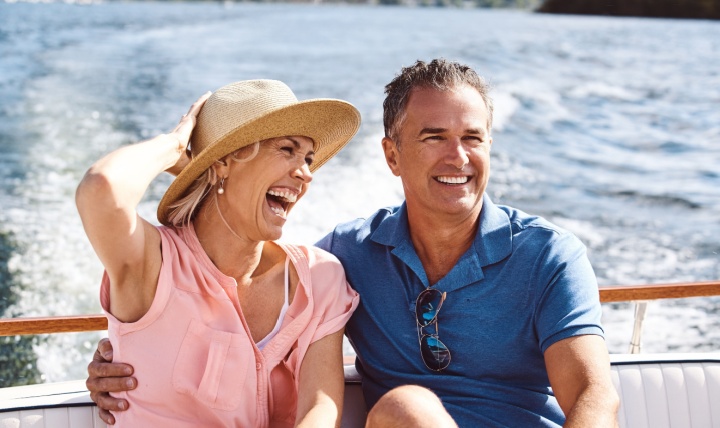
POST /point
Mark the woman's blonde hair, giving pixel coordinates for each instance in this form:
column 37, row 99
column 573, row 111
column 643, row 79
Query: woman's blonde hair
column 183, row 211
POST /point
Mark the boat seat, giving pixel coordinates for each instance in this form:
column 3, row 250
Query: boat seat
column 667, row 390
column 656, row 391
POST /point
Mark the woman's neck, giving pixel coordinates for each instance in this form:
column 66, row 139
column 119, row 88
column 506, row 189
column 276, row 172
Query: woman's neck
column 234, row 255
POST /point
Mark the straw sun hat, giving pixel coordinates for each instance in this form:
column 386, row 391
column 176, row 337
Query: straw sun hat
column 242, row 113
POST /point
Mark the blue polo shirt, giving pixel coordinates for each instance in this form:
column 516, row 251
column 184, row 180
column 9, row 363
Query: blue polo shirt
column 522, row 286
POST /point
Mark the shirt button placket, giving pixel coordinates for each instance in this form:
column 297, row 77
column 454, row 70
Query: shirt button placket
column 262, row 397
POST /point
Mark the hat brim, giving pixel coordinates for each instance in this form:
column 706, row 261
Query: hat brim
column 330, row 123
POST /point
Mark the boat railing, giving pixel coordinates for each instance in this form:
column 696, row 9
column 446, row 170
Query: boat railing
column 641, row 295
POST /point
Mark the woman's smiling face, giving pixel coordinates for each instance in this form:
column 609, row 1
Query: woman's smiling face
column 259, row 193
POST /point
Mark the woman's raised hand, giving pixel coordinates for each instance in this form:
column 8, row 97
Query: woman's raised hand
column 182, row 132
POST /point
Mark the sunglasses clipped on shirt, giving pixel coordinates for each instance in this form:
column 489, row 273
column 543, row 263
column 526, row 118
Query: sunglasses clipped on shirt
column 435, row 354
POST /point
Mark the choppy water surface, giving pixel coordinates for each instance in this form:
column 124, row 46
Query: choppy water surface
column 609, row 127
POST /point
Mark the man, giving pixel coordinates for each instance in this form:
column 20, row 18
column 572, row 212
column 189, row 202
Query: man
column 521, row 342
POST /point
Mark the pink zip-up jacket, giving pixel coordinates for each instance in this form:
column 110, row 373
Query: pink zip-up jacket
column 194, row 359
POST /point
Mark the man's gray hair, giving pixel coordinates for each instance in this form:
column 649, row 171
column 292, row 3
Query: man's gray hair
column 438, row 74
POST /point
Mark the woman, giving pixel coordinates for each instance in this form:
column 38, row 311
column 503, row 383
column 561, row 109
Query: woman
column 223, row 325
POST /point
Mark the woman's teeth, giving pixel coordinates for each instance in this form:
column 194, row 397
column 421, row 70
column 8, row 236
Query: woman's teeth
column 279, row 211
column 286, row 195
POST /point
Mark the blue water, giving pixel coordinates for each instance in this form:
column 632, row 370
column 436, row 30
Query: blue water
column 609, row 127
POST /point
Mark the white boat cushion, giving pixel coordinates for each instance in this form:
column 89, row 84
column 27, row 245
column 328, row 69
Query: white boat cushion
column 61, row 417
column 666, row 390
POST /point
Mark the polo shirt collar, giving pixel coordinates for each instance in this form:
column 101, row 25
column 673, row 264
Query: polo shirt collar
column 493, row 242
column 393, row 230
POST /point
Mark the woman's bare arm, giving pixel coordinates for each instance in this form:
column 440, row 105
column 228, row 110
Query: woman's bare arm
column 107, row 198
column 322, row 384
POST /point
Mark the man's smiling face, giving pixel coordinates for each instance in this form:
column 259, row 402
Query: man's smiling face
column 443, row 152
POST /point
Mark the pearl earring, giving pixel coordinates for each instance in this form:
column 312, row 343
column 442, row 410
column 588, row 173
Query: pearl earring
column 221, row 190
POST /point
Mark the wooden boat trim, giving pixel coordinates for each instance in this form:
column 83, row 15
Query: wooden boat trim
column 625, row 293
column 608, row 294
column 66, row 324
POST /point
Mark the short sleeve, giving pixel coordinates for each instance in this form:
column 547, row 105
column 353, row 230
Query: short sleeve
column 569, row 302
column 166, row 279
column 325, row 243
column 335, row 300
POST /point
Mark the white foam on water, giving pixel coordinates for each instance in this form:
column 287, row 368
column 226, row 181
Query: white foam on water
column 584, row 230
column 604, row 90
column 504, row 107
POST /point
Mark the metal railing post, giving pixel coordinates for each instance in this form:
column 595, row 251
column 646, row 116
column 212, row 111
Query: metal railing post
column 640, row 311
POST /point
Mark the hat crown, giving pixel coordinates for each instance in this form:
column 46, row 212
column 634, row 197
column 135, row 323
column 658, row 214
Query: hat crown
column 234, row 106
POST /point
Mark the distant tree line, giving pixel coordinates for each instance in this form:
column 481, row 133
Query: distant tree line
column 700, row 9
column 515, row 4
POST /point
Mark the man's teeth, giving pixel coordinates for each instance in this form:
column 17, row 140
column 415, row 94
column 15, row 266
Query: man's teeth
column 286, row 195
column 453, row 180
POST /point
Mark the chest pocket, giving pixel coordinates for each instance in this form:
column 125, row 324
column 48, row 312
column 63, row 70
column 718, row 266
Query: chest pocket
column 212, row 366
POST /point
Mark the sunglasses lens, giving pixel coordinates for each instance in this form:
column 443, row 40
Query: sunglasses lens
column 435, row 354
column 427, row 306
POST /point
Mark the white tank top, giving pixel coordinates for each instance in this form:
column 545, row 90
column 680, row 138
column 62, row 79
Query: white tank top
column 261, row 344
